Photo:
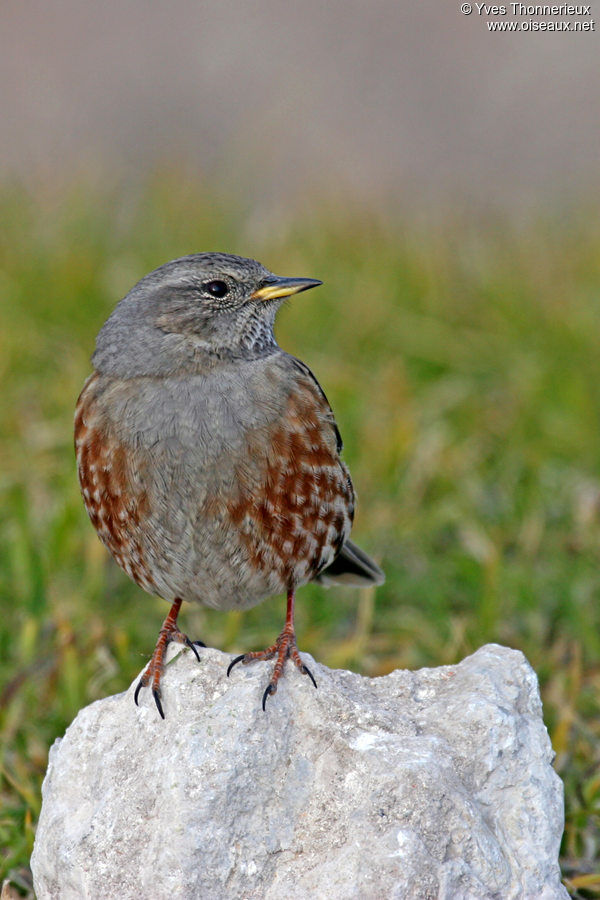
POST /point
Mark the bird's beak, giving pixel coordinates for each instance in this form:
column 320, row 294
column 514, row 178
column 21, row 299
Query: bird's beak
column 273, row 287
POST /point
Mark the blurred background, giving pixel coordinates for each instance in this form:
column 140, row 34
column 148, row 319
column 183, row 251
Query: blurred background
column 443, row 181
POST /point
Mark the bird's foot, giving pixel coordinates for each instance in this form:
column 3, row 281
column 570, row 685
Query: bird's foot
column 168, row 633
column 284, row 648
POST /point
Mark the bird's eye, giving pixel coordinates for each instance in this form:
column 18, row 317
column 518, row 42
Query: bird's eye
column 216, row 288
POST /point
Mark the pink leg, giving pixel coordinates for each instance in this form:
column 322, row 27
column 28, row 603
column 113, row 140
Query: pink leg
column 284, row 648
column 169, row 632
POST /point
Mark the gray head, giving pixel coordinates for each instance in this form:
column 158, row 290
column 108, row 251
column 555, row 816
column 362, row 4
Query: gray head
column 191, row 312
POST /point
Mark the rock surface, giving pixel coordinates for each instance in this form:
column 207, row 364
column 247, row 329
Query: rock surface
column 428, row 784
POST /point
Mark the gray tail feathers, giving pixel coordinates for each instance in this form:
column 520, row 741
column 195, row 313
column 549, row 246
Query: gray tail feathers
column 351, row 566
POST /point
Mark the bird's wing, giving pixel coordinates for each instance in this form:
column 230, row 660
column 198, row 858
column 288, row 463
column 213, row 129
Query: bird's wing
column 351, row 565
column 304, row 369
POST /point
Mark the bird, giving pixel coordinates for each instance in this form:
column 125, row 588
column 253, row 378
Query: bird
column 209, row 459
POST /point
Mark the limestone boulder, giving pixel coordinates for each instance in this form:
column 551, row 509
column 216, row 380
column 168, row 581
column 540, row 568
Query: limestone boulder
column 429, row 784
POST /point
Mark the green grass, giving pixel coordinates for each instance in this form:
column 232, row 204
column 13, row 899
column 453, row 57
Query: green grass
column 462, row 362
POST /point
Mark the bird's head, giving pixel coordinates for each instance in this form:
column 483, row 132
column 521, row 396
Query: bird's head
column 192, row 310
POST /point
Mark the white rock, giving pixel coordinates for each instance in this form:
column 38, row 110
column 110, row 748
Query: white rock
column 435, row 783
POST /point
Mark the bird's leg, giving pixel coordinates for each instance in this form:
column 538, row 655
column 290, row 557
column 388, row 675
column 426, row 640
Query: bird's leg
column 283, row 648
column 168, row 633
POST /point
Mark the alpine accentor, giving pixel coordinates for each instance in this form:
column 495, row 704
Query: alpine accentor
column 208, row 458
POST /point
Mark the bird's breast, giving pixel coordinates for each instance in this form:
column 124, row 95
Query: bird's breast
column 232, row 475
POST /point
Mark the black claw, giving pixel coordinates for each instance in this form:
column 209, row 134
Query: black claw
column 234, row 662
column 156, row 695
column 306, row 671
column 193, row 646
column 270, row 689
column 199, row 643
column 140, row 685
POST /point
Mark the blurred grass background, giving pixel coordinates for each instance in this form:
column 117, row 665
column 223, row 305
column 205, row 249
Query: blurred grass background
column 462, row 364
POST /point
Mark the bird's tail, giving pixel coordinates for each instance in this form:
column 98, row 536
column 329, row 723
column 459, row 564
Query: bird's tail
column 351, row 566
